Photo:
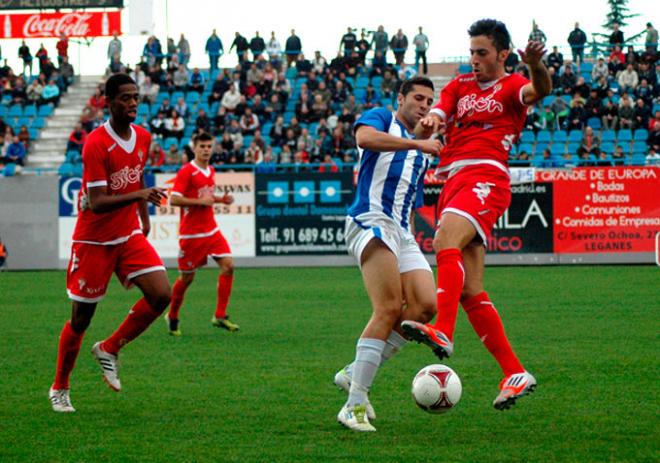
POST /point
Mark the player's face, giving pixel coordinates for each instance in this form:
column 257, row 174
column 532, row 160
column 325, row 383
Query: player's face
column 416, row 104
column 203, row 150
column 487, row 63
column 123, row 107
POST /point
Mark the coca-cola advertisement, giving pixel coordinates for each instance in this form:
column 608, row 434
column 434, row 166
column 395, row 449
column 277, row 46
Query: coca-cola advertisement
column 52, row 4
column 50, row 25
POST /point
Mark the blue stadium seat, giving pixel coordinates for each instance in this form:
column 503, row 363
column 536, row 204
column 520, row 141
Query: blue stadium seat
column 376, row 81
column 15, row 111
column 169, row 142
column 567, row 99
column 38, row 123
column 641, row 135
column 73, row 157
column 547, row 101
column 34, row 134
column 543, row 136
column 586, row 67
column 575, row 136
column 527, row 147
column 30, row 111
column 78, row 170
column 3, row 111
column 65, row 170
column 362, row 82
column 192, row 98
column 464, row 68
column 527, row 137
column 638, row 159
column 608, row 135
column 23, row 121
column 291, row 73
column 640, row 147
column 185, row 141
column 624, row 135
column 143, row 109
column 175, row 97
column 559, row 136
column 607, row 146
column 557, row 150
column 45, row 110
column 594, row 123
column 541, row 146
column 572, row 148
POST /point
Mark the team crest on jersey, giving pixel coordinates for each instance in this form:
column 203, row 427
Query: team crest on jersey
column 81, row 283
column 482, row 190
column 140, row 155
column 124, row 177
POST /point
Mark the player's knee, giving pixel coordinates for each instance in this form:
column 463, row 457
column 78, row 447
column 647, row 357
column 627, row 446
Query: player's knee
column 428, row 310
column 470, row 290
column 160, row 299
column 390, row 311
column 227, row 268
column 80, row 324
column 187, row 278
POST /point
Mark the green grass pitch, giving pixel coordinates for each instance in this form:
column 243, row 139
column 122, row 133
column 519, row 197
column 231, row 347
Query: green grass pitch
column 265, row 394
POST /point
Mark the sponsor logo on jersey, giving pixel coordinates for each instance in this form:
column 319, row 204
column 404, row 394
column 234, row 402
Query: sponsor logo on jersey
column 124, row 177
column 470, row 104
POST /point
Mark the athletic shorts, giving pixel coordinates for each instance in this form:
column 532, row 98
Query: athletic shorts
column 479, row 193
column 92, row 265
column 194, row 252
column 360, row 230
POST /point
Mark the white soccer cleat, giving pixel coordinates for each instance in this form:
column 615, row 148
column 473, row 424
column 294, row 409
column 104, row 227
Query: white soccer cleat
column 355, row 418
column 60, row 400
column 109, row 366
column 512, row 388
column 343, row 381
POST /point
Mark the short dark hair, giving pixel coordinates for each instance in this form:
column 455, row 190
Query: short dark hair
column 201, row 136
column 407, row 85
column 114, row 82
column 493, row 29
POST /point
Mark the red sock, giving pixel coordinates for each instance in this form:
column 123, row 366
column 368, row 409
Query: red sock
column 178, row 291
column 138, row 320
column 488, row 326
column 224, row 291
column 67, row 352
column 451, row 276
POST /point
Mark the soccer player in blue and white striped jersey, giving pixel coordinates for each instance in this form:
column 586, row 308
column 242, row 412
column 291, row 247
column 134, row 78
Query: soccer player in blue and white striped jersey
column 378, row 233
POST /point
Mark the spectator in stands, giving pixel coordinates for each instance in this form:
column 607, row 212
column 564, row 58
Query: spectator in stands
column 292, row 47
column 19, row 91
column 303, row 65
column 590, row 142
column 319, row 63
column 618, row 156
column 547, row 119
column 626, row 112
column 34, row 92
column 214, row 49
column 254, row 74
column 181, row 78
column 257, row 46
column 577, row 116
column 599, row 70
column 156, row 156
column 537, row 35
column 645, row 92
column 581, row 88
column 616, row 37
column 632, row 57
column 51, row 93
column 652, row 158
column 196, row 81
column 254, row 153
column 363, row 46
column 202, row 121
column 267, row 165
column 181, row 107
column 24, row 137
column 241, row 45
column 654, row 132
column 651, row 41
column 249, row 122
column 421, row 42
column 173, row 156
column 174, row 125
column 389, row 85
column 568, row 80
column 380, row 40
column 348, row 42
column 230, row 99
column 97, row 101
column 282, row 87
column 62, row 47
column 618, row 54
column 220, row 86
column 114, row 48
column 26, row 56
column 77, row 138
column 15, row 153
column 97, row 121
column 274, row 50
column 555, row 59
column 642, row 115
column 67, row 72
column 42, row 56
column 149, row 91
column 576, row 39
column 399, row 46
column 610, row 115
column 184, row 50
column 628, row 79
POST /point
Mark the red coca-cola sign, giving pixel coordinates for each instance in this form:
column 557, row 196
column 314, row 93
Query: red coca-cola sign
column 45, row 25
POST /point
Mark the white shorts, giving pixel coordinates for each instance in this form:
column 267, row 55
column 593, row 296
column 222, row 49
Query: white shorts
column 362, row 229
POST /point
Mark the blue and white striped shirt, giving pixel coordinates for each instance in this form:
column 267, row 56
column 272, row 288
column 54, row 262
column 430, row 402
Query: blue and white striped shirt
column 389, row 182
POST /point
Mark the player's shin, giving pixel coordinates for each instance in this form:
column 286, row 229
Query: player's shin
column 67, row 353
column 225, row 283
column 136, row 322
column 488, row 325
column 178, row 293
column 368, row 354
column 451, row 276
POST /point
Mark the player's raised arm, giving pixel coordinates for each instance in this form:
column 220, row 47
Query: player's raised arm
column 541, row 84
column 374, row 140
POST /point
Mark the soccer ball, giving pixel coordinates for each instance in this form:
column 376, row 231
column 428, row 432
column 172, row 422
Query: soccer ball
column 436, row 388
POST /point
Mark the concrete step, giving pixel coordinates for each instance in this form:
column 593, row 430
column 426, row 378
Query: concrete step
column 54, row 159
column 45, row 146
column 73, row 111
column 58, row 124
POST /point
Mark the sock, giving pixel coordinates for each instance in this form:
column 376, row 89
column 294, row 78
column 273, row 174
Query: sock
column 178, row 291
column 451, row 276
column 67, row 352
column 488, row 325
column 393, row 345
column 224, row 291
column 367, row 359
column 136, row 322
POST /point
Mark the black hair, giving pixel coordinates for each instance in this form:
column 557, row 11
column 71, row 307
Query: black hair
column 494, row 30
column 114, row 82
column 201, row 136
column 407, row 84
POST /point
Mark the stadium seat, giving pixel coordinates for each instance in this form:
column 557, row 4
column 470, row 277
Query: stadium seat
column 77, row 170
column 575, row 136
column 543, row 136
column 362, row 82
column 464, row 68
column 638, row 159
column 559, row 137
column 15, row 111
column 641, row 135
column 607, row 147
column 541, row 146
column 594, row 123
column 38, row 123
column 586, row 66
column 547, row 101
column 557, row 150
column 376, row 81
column 169, row 142
column 608, row 135
column 624, row 135
column 3, row 111
column 30, row 111
column 527, row 147
column 65, row 170
column 23, row 121
column 34, row 134
column 291, row 73
column 73, row 157
column 573, row 148
column 639, row 147
column 192, row 98
column 45, row 110
column 527, row 137
column 175, row 97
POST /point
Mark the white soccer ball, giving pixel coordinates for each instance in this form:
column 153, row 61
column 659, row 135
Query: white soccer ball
column 436, row 388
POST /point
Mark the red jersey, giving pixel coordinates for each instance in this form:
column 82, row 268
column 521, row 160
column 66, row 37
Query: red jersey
column 194, row 182
column 117, row 165
column 483, row 123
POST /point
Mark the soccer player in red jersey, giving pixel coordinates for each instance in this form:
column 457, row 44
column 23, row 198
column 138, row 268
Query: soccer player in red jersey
column 109, row 238
column 199, row 235
column 483, row 113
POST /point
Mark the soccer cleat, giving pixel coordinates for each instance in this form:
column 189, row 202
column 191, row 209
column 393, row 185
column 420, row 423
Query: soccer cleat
column 343, row 381
column 109, row 366
column 355, row 418
column 432, row 337
column 172, row 326
column 224, row 323
column 512, row 388
column 60, row 400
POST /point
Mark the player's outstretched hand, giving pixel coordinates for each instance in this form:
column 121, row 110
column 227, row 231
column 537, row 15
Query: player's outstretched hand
column 226, row 199
column 427, row 126
column 154, row 195
column 207, row 200
column 533, row 53
column 432, row 147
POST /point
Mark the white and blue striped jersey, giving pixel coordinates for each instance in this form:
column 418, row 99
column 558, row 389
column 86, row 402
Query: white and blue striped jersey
column 389, row 182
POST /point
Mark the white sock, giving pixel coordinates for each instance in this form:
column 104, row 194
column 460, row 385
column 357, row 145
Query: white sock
column 393, row 345
column 367, row 359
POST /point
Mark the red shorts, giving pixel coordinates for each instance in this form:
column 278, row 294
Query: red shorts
column 479, row 193
column 195, row 251
column 92, row 265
